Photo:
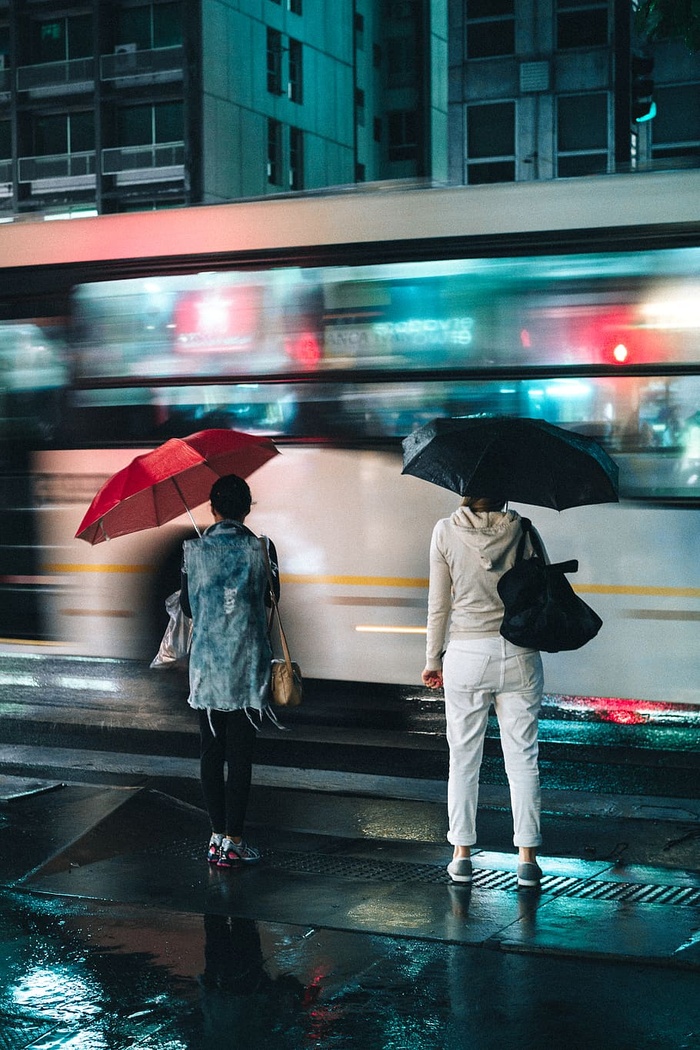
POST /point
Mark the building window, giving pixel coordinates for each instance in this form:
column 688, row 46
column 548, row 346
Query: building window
column 167, row 25
column 59, row 134
column 399, row 10
column 274, row 152
column 582, row 23
column 359, row 107
column 4, row 47
column 150, row 26
column 377, row 129
column 296, row 159
column 62, row 39
column 582, row 135
column 402, row 130
column 147, row 125
column 359, row 31
column 402, row 62
column 295, row 85
column 491, row 142
column 490, row 28
column 295, row 6
column 5, row 139
column 274, row 61
column 676, row 128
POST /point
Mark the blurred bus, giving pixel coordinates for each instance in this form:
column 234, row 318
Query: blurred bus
column 336, row 325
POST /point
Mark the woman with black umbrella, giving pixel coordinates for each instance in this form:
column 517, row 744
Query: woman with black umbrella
column 469, row 553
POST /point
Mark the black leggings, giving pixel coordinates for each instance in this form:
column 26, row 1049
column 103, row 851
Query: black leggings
column 231, row 744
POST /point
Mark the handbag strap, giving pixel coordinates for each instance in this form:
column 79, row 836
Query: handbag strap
column 528, row 530
column 275, row 606
column 564, row 566
column 525, row 525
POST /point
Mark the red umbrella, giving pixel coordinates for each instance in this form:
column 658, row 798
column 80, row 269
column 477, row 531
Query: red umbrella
column 167, row 482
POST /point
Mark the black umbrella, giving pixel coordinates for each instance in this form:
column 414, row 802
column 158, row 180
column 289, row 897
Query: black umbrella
column 523, row 460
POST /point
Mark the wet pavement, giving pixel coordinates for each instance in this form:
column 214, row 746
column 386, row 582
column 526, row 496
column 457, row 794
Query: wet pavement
column 115, row 932
column 116, row 721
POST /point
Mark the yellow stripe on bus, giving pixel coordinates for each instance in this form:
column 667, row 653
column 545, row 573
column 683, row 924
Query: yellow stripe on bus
column 662, row 592
column 98, row 568
column 394, row 581
column 404, row 581
column 355, row 581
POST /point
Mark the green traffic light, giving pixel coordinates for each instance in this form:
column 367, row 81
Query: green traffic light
column 647, row 116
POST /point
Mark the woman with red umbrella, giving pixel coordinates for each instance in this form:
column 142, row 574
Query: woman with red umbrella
column 225, row 589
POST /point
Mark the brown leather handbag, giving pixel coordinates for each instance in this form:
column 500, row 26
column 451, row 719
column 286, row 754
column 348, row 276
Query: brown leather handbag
column 286, row 679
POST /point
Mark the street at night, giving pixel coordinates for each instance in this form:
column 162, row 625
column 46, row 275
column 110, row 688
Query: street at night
column 116, row 933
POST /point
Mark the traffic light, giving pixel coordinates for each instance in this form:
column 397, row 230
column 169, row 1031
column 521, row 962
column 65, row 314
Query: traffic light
column 642, row 105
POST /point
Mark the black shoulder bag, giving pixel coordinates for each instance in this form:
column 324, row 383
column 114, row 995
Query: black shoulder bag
column 541, row 609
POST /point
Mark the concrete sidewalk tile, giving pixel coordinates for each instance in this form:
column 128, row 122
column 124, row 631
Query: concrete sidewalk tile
column 607, row 929
column 558, row 867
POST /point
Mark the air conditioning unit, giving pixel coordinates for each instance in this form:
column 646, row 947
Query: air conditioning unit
column 125, row 59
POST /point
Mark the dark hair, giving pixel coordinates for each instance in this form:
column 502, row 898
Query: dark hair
column 483, row 503
column 230, row 497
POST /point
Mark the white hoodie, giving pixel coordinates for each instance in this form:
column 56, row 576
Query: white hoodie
column 469, row 553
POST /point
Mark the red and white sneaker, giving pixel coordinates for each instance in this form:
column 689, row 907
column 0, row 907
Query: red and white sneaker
column 214, row 849
column 231, row 853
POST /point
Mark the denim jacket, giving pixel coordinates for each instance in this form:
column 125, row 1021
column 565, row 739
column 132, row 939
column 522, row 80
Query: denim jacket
column 227, row 586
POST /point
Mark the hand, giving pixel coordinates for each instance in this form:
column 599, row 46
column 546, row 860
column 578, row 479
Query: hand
column 432, row 678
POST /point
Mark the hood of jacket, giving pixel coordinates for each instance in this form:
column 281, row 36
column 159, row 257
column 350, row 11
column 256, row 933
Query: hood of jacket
column 489, row 534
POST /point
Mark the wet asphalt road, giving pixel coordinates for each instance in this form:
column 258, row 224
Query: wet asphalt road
column 115, row 933
column 88, row 975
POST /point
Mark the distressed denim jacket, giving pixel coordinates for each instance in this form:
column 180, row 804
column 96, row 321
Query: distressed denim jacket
column 227, row 584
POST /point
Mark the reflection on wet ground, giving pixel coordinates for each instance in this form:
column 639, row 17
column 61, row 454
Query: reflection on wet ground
column 92, row 976
column 89, row 975
column 115, row 933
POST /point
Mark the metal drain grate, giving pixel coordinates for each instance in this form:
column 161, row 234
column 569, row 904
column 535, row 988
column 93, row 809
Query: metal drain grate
column 635, row 892
column 364, row 870
column 355, row 868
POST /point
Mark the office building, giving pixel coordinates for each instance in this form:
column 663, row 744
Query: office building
column 543, row 89
column 117, row 105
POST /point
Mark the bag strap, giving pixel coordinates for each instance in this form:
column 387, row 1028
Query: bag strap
column 275, row 606
column 528, row 530
column 525, row 525
column 563, row 566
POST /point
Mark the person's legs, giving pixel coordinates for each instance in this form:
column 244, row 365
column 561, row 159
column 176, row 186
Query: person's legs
column 517, row 705
column 240, row 741
column 467, row 702
column 212, row 733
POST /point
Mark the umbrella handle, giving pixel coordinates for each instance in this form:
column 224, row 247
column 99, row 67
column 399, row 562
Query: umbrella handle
column 179, row 492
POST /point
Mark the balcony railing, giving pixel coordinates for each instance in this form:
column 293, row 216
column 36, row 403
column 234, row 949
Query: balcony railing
column 138, row 158
column 76, row 73
column 58, row 166
column 128, row 64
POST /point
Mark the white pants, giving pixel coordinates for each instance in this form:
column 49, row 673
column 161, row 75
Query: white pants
column 476, row 674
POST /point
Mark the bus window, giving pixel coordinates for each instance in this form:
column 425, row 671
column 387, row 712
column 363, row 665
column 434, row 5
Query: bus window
column 197, row 324
column 33, row 376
